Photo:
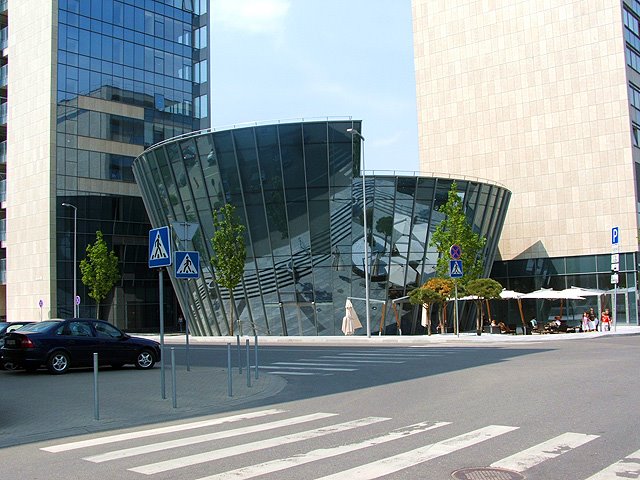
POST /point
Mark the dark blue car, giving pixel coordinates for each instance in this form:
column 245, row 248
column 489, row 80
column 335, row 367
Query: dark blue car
column 63, row 344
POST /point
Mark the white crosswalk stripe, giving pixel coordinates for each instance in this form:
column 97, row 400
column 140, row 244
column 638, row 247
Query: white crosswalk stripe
column 552, row 448
column 324, row 453
column 323, row 369
column 253, row 446
column 156, row 447
column 158, row 431
column 346, row 361
column 430, row 438
column 628, row 467
column 408, row 459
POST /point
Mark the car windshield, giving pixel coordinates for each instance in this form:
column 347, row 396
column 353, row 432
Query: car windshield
column 38, row 326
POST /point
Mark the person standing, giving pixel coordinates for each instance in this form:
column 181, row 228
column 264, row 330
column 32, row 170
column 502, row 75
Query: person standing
column 593, row 320
column 585, row 321
column 605, row 319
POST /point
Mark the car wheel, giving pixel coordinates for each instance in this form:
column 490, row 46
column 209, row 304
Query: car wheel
column 10, row 366
column 58, row 362
column 145, row 360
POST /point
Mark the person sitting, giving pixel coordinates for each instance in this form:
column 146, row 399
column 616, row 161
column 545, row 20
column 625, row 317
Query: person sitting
column 504, row 328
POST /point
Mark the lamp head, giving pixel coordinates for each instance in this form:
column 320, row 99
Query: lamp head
column 355, row 133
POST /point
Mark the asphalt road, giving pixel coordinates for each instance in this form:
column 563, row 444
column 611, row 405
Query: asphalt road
column 558, row 410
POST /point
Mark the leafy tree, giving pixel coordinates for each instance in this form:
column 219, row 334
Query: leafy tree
column 229, row 251
column 99, row 270
column 426, row 297
column 485, row 289
column 443, row 288
column 456, row 230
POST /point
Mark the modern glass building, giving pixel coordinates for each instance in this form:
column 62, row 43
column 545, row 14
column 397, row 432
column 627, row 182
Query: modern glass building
column 297, row 187
column 92, row 84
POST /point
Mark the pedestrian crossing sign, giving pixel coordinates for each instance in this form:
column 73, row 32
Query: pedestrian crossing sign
column 187, row 264
column 159, row 247
column 455, row 268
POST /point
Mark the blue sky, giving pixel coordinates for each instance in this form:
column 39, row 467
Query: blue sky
column 290, row 59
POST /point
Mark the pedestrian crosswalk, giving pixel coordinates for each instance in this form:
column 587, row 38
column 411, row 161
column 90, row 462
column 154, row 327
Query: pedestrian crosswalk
column 201, row 450
column 349, row 361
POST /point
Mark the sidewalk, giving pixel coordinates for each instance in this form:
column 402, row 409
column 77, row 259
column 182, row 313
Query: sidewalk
column 465, row 338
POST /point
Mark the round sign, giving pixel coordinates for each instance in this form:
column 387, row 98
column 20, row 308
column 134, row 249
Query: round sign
column 455, row 251
column 77, row 299
column 40, row 303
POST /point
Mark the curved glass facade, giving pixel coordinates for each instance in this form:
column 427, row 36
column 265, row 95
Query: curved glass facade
column 297, row 188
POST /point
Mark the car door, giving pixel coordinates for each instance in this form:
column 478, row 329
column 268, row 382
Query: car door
column 112, row 347
column 80, row 341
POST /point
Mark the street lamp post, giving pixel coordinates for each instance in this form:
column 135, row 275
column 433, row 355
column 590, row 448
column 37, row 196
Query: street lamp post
column 75, row 232
column 357, row 134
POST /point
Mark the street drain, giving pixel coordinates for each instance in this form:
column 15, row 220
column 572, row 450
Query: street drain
column 486, row 473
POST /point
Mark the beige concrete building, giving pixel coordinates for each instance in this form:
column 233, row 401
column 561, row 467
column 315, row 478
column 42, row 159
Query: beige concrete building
column 543, row 97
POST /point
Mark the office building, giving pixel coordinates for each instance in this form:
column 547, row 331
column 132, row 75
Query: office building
column 87, row 86
column 298, row 189
column 544, row 98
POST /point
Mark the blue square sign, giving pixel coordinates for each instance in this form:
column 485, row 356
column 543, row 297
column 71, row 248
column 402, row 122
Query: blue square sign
column 615, row 235
column 159, row 247
column 455, row 268
column 187, row 265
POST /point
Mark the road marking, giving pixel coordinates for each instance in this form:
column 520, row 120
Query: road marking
column 181, row 442
column 253, row 446
column 387, row 466
column 552, row 448
column 628, row 467
column 390, row 355
column 323, row 369
column 340, row 363
column 63, row 447
column 354, row 360
column 299, row 373
column 324, row 453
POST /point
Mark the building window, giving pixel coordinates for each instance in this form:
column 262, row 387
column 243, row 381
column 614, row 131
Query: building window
column 201, row 72
column 201, row 106
column 200, row 38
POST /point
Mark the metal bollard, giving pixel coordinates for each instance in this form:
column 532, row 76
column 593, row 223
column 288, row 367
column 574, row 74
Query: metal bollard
column 255, row 346
column 229, row 391
column 239, row 355
column 248, row 366
column 96, row 404
column 173, row 378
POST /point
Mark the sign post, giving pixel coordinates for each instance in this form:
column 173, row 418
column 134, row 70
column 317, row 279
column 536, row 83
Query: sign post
column 615, row 268
column 187, row 265
column 160, row 256
column 455, row 272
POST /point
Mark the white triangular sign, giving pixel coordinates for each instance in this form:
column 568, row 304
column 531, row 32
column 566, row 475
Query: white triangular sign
column 159, row 251
column 186, row 267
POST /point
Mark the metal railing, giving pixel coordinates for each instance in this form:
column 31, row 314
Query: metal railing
column 3, row 152
column 3, row 198
column 4, row 75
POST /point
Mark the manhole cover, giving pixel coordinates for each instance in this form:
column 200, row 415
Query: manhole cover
column 486, row 473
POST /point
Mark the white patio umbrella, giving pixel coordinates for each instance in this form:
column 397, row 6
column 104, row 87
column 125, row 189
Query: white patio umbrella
column 551, row 294
column 513, row 295
column 350, row 321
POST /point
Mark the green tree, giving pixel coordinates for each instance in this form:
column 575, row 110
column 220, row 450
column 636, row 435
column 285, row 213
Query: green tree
column 99, row 270
column 456, row 230
column 485, row 289
column 427, row 298
column 229, row 252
